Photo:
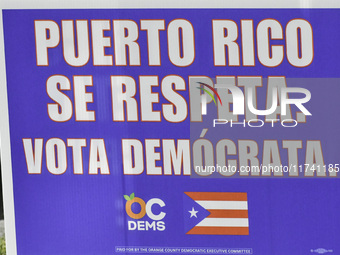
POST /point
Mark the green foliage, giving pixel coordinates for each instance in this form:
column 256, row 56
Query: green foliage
column 2, row 246
column 132, row 196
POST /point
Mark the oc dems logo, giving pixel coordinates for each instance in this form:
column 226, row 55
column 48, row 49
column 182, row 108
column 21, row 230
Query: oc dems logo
column 146, row 215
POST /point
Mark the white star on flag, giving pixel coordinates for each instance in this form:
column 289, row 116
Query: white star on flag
column 193, row 213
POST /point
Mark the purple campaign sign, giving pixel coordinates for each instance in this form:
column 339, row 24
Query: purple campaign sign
column 102, row 144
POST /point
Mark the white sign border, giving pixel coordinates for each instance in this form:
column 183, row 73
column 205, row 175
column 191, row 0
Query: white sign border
column 160, row 4
column 7, row 182
column 6, row 162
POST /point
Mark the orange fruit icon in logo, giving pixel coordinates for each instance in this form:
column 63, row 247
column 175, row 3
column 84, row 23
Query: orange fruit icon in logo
column 130, row 201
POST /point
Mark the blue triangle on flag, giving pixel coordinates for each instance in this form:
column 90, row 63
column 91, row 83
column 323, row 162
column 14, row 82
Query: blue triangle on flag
column 193, row 213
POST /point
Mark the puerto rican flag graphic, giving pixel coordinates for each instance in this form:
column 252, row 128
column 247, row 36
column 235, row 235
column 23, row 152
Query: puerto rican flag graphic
column 227, row 213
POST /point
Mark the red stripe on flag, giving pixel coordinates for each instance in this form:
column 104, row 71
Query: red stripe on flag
column 219, row 231
column 228, row 214
column 217, row 196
